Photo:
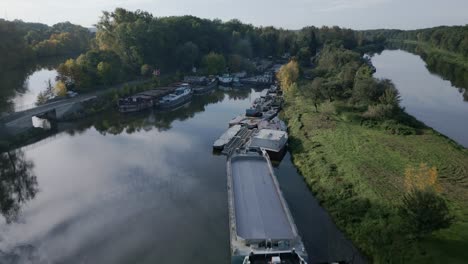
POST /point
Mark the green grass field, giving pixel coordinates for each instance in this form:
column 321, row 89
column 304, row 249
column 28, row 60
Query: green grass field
column 357, row 172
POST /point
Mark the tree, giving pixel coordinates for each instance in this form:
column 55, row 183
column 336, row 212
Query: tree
column 422, row 208
column 313, row 91
column 146, row 70
column 214, row 63
column 303, row 56
column 288, row 74
column 60, row 89
column 424, row 212
column 105, row 72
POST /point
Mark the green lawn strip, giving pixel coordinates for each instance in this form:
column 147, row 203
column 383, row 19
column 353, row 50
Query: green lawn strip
column 357, row 173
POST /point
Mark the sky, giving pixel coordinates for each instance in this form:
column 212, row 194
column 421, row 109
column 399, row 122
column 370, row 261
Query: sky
column 289, row 14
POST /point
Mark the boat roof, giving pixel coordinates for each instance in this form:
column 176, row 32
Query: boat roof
column 259, row 210
column 270, row 134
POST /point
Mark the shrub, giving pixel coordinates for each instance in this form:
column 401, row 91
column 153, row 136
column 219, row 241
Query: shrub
column 424, row 212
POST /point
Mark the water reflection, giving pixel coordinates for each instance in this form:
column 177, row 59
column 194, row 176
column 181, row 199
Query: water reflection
column 436, row 64
column 19, row 90
column 18, row 184
column 425, row 96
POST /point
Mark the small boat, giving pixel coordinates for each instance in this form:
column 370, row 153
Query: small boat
column 205, row 88
column 274, row 124
column 226, row 137
column 262, row 229
column 226, row 79
column 181, row 95
column 135, row 103
column 253, row 112
column 237, row 120
column 251, row 123
column 268, row 115
column 273, row 141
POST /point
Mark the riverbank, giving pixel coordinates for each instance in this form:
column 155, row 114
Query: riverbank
column 356, row 169
column 426, row 48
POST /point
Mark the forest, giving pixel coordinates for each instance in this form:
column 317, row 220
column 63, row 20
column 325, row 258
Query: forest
column 453, row 39
column 130, row 44
column 23, row 43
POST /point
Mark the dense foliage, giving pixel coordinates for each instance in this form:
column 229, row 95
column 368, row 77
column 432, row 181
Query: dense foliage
column 453, row 39
column 22, row 42
column 181, row 43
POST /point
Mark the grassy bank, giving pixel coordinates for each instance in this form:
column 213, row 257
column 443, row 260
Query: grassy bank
column 356, row 169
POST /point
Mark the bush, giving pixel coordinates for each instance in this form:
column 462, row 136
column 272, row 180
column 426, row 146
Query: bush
column 378, row 112
column 424, row 212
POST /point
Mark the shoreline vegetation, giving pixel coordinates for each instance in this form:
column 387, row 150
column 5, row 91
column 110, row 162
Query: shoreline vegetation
column 366, row 160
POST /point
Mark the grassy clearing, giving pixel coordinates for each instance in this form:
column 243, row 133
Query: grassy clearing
column 357, row 172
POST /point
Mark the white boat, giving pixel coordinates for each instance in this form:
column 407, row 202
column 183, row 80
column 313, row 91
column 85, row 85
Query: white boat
column 273, row 141
column 262, row 229
column 273, row 124
column 237, row 120
column 226, row 137
column 180, row 96
column 226, row 79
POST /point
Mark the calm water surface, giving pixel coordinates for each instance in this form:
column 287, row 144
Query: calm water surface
column 146, row 188
column 426, row 96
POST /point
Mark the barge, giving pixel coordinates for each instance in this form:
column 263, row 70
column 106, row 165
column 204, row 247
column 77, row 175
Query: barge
column 262, row 229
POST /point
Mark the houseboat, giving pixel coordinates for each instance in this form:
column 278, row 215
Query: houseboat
column 262, row 229
column 226, row 79
column 226, row 137
column 205, row 87
column 273, row 141
column 135, row 103
column 181, row 95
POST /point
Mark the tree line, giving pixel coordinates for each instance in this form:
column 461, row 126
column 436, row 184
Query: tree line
column 23, row 42
column 130, row 44
column 450, row 38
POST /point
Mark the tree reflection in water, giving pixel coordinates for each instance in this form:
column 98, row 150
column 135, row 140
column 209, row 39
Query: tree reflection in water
column 18, row 184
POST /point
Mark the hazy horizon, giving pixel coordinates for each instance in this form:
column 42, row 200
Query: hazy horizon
column 357, row 14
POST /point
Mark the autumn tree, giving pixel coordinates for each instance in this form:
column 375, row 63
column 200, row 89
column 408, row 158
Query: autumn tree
column 60, row 89
column 288, row 74
column 422, row 208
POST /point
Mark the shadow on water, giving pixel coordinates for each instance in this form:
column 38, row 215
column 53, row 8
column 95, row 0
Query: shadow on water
column 18, row 184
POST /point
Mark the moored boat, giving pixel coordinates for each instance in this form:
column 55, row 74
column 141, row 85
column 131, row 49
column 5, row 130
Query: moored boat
column 273, row 141
column 262, row 229
column 226, row 137
column 226, row 79
column 181, row 95
column 135, row 103
column 205, row 87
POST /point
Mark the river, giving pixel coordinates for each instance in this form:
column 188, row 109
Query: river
column 425, row 95
column 21, row 86
column 142, row 188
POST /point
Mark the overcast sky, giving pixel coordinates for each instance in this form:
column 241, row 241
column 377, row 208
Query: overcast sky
column 291, row 14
